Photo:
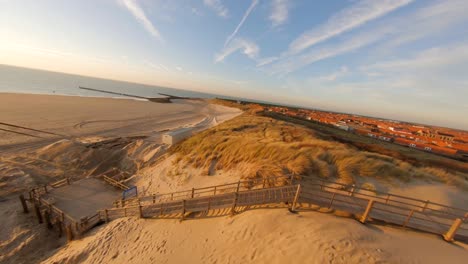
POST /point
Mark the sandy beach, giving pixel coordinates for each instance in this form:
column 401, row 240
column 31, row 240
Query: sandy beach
column 83, row 137
column 74, row 117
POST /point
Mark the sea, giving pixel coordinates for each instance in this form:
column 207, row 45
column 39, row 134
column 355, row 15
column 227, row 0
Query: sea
column 32, row 81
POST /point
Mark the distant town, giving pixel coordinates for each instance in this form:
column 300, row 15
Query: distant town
column 438, row 140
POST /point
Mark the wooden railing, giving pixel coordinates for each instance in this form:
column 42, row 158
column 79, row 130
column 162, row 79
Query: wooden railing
column 423, row 215
column 115, row 183
column 207, row 191
column 153, row 208
column 396, row 209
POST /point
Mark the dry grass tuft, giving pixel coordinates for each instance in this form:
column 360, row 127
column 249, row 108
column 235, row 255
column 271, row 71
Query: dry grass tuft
column 260, row 147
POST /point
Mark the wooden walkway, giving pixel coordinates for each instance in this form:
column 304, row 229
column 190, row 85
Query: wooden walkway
column 298, row 194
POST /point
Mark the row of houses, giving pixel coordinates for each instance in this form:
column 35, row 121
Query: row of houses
column 438, row 140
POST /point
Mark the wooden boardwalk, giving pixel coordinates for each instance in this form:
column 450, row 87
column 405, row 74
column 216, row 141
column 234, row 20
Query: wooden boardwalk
column 298, row 194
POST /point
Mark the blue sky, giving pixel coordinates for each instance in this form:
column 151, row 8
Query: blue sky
column 402, row 59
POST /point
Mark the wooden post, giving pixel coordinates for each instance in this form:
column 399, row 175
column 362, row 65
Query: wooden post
column 122, row 203
column 367, row 212
column 23, row 203
column 453, row 230
column 214, row 190
column 140, row 209
column 425, row 205
column 78, row 229
column 63, row 217
column 45, row 188
column 69, row 232
column 38, row 212
column 238, row 186
column 388, row 197
column 162, row 208
column 172, row 196
column 60, row 228
column 47, row 219
column 125, row 211
column 234, row 203
column 332, row 199
column 68, row 181
column 264, row 183
column 408, row 218
column 154, row 198
column 106, row 216
column 296, row 197
column 183, row 210
column 193, row 192
column 351, row 193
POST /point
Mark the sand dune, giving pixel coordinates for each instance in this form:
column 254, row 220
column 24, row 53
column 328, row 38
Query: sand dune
column 258, row 236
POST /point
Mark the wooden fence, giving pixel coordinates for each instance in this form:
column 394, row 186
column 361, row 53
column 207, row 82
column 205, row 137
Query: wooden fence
column 115, row 183
column 400, row 210
column 153, row 208
column 395, row 209
column 207, row 191
column 297, row 192
column 53, row 216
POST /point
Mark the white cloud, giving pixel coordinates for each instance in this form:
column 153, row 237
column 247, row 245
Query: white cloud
column 280, row 11
column 246, row 14
column 345, row 20
column 395, row 31
column 429, row 59
column 292, row 63
column 265, row 61
column 336, row 75
column 247, row 47
column 140, row 15
column 218, row 7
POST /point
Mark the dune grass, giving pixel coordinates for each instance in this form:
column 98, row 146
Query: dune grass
column 261, row 147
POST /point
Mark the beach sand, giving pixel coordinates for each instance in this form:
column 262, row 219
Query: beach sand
column 72, row 117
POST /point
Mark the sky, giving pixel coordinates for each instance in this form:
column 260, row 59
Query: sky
column 398, row 59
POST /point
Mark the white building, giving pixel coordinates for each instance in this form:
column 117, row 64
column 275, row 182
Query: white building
column 175, row 136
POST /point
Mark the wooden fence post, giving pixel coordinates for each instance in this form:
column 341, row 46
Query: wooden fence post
column 367, row 212
column 193, row 192
column 183, row 210
column 23, row 203
column 296, row 197
column 238, row 186
column 47, row 219
column 140, row 209
column 69, row 233
column 60, row 228
column 214, row 191
column 332, row 199
column 234, row 203
column 106, row 215
column 264, row 183
column 453, row 230
column 38, row 212
column 425, row 205
column 68, row 181
column 353, row 187
column 408, row 218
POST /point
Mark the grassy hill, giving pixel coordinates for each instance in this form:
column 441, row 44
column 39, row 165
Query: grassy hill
column 260, row 146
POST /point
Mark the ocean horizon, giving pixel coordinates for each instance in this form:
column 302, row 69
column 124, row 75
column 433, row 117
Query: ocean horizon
column 20, row 80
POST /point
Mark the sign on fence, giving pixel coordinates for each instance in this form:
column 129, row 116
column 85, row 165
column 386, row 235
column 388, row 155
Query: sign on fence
column 130, row 192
